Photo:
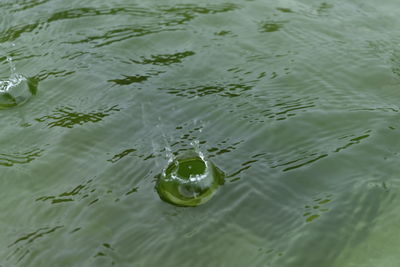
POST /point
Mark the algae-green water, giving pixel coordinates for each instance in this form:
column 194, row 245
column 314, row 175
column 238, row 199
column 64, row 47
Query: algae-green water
column 294, row 103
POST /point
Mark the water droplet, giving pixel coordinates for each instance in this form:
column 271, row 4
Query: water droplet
column 189, row 180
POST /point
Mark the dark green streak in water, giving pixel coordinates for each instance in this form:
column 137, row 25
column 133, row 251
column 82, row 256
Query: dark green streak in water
column 66, row 117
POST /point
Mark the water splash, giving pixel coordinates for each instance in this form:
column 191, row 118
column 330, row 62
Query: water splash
column 17, row 89
column 189, row 179
column 14, row 80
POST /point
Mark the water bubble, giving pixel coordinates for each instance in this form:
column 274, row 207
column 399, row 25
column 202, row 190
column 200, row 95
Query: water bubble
column 189, row 180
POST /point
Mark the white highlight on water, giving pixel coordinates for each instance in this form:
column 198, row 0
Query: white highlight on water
column 14, row 79
column 193, row 178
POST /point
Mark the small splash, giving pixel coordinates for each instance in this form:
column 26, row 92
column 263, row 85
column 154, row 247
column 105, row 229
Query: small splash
column 17, row 89
column 189, row 179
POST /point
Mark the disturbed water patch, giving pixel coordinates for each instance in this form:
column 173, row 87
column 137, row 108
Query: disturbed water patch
column 16, row 89
column 189, row 180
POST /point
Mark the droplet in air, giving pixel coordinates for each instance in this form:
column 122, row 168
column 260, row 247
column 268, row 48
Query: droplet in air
column 189, row 180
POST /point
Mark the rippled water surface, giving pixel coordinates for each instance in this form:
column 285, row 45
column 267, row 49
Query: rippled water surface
column 295, row 102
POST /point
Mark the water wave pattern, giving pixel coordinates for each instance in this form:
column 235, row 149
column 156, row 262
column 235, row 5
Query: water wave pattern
column 81, row 192
column 226, row 90
column 166, row 59
column 168, row 19
column 133, row 152
column 263, row 109
column 67, row 117
column 121, row 155
column 20, row 247
column 11, row 159
column 15, row 6
column 317, row 207
column 347, row 219
column 45, row 74
column 297, row 110
column 307, row 157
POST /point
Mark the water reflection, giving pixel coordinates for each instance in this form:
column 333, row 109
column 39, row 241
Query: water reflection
column 106, row 253
column 46, row 74
column 183, row 13
column 67, row 117
column 313, row 152
column 167, row 19
column 271, row 26
column 75, row 13
column 21, row 5
column 23, row 244
column 134, row 152
column 130, row 79
column 121, row 155
column 13, row 33
column 257, row 113
column 78, row 193
column 261, row 109
column 224, row 33
column 118, row 35
column 353, row 140
column 351, row 218
column 11, row 159
column 166, row 16
column 165, row 59
column 318, row 206
column 304, row 160
column 223, row 147
column 324, row 7
column 224, row 90
column 284, row 10
column 236, row 174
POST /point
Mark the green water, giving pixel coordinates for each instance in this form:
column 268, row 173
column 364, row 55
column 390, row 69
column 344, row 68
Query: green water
column 296, row 102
